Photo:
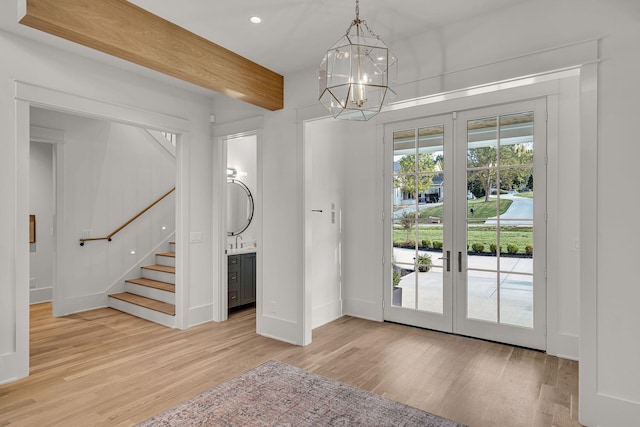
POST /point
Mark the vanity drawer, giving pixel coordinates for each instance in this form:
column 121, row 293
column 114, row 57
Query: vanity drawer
column 234, row 299
column 233, row 278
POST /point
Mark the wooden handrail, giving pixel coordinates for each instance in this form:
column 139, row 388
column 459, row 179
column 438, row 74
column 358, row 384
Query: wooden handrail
column 117, row 230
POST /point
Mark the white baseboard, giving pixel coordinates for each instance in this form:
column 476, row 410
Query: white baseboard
column 39, row 295
column 363, row 309
column 326, row 313
column 279, row 329
column 564, row 346
column 79, row 304
column 199, row 315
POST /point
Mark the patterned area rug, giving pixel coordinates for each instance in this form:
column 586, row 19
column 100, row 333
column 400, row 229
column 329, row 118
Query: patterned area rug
column 276, row 394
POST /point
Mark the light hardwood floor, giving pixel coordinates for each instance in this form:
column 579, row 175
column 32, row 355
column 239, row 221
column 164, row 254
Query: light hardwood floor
column 106, row 368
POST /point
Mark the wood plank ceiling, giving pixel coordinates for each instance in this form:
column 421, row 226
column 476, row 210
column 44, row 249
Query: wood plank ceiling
column 124, row 30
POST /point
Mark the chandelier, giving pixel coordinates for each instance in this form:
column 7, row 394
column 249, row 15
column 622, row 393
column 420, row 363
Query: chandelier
column 357, row 73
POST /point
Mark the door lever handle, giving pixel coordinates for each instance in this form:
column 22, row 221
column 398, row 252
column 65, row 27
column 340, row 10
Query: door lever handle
column 448, row 260
column 459, row 261
column 316, row 210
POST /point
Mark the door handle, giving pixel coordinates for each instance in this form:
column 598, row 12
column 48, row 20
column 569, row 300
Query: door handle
column 459, row 261
column 448, row 258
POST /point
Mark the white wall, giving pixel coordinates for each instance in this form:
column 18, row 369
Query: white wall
column 242, row 155
column 41, row 204
column 563, row 224
column 362, row 222
column 517, row 41
column 324, row 199
column 75, row 78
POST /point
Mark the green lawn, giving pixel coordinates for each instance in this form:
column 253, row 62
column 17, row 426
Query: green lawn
column 485, row 234
column 481, row 209
column 528, row 194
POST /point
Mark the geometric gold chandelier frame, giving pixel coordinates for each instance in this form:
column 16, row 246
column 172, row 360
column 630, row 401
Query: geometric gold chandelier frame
column 357, row 73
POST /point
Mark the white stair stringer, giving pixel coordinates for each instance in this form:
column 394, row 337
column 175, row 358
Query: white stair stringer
column 151, row 296
column 143, row 312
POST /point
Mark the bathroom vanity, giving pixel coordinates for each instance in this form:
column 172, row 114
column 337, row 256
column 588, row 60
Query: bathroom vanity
column 241, row 270
column 241, row 260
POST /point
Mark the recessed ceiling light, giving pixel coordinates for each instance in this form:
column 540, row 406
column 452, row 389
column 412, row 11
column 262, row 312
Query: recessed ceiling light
column 255, row 19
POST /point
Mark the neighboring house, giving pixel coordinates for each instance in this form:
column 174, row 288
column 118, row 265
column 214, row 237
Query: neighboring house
column 434, row 194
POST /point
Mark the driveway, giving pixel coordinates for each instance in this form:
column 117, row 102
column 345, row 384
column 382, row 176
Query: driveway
column 519, row 213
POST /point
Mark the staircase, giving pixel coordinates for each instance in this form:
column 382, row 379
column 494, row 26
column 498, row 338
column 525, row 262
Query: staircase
column 152, row 296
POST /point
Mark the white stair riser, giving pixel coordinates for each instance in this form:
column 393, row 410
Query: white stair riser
column 153, row 293
column 143, row 312
column 172, row 247
column 158, row 275
column 166, row 260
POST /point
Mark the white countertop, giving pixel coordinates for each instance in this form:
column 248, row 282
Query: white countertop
column 237, row 251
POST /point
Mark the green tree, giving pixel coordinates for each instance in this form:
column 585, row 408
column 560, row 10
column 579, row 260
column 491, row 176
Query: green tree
column 406, row 179
column 485, row 158
column 516, row 154
column 407, row 222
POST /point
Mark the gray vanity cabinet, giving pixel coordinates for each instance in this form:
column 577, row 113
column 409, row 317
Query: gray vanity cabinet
column 241, row 270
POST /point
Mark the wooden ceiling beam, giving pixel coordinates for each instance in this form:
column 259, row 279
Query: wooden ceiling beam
column 124, row 30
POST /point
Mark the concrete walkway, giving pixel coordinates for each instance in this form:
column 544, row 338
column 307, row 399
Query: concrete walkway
column 423, row 291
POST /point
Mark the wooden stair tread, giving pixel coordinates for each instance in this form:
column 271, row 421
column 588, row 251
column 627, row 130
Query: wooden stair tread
column 163, row 268
column 167, row 254
column 149, row 303
column 156, row 284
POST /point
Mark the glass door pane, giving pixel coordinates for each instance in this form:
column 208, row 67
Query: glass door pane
column 419, row 295
column 497, row 285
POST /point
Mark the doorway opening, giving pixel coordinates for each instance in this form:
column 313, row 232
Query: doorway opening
column 242, row 229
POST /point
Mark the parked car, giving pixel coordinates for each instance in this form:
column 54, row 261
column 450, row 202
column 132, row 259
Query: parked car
column 513, row 191
column 470, row 195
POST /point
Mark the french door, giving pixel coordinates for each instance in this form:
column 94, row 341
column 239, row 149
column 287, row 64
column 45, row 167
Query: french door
column 465, row 236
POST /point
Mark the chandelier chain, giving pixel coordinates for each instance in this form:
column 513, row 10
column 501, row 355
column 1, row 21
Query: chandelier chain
column 357, row 10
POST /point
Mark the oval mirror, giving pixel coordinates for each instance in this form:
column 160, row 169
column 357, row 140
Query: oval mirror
column 239, row 207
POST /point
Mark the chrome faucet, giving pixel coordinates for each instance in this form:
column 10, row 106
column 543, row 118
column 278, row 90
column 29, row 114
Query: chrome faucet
column 237, row 240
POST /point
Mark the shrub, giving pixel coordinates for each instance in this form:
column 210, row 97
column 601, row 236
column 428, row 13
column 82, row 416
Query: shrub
column 493, row 248
column 437, row 244
column 528, row 250
column 426, row 243
column 477, row 247
column 424, row 263
column 396, row 279
column 512, row 248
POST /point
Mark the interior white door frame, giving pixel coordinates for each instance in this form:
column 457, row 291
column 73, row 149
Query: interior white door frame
column 221, row 135
column 27, row 95
column 56, row 138
column 534, row 88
